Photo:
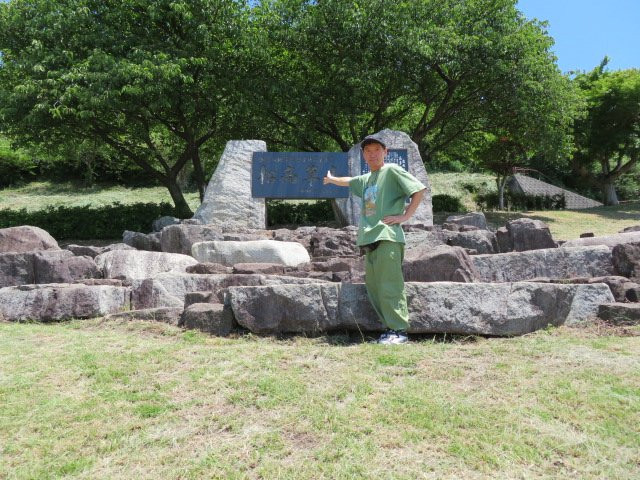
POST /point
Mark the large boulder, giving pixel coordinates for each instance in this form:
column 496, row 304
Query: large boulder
column 423, row 238
column 608, row 240
column 169, row 289
column 551, row 263
column 325, row 242
column 228, row 201
column 46, row 266
column 159, row 223
column 626, row 259
column 474, row 219
column 134, row 264
column 50, row 302
column 213, row 318
column 142, row 241
column 26, row 238
column 93, row 252
column 180, row 238
column 63, row 269
column 229, row 253
column 479, row 241
column 440, row 307
column 620, row 313
column 528, row 234
column 439, row 264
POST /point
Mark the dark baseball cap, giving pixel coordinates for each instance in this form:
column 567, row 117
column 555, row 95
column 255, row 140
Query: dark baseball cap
column 372, row 139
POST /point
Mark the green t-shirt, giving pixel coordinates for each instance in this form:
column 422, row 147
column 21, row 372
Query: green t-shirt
column 383, row 193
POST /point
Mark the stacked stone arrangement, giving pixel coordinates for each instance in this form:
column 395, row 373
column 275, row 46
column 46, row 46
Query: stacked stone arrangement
column 461, row 278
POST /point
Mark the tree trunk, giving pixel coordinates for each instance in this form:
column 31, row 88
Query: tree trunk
column 502, row 182
column 609, row 195
column 198, row 172
column 181, row 205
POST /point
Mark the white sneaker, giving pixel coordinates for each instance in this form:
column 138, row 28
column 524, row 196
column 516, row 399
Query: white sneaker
column 393, row 337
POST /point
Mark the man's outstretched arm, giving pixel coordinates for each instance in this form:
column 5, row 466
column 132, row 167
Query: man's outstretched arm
column 339, row 181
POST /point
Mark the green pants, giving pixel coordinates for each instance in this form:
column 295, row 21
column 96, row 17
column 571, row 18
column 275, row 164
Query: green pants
column 385, row 284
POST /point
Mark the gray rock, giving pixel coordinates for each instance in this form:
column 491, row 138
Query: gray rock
column 45, row 266
column 552, row 262
column 229, row 253
column 51, row 302
column 349, row 208
column 208, row 268
column 608, row 240
column 170, row 315
column 26, row 238
column 440, row 264
column 634, row 228
column 474, row 219
column 134, row 264
column 527, row 234
column 309, row 309
column 263, row 268
column 626, row 259
column 16, row 269
column 180, row 238
column 93, row 252
column 440, row 307
column 212, row 318
column 63, row 269
column 159, row 223
column 333, row 242
column 169, row 289
column 421, row 239
column 228, row 201
column 620, row 313
column 142, row 241
column 505, row 244
column 619, row 286
column 200, row 297
column 481, row 241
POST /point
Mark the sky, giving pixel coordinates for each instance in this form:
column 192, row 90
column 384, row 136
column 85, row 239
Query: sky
column 586, row 30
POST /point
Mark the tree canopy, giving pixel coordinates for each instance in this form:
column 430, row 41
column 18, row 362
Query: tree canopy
column 149, row 79
column 609, row 134
column 156, row 82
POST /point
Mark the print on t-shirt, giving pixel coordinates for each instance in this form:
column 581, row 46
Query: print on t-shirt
column 370, row 197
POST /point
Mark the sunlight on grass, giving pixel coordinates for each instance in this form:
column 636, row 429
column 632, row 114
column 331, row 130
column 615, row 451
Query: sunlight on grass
column 38, row 195
column 96, row 399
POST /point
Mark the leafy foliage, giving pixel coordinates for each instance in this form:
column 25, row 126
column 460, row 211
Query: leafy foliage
column 106, row 222
column 447, row 203
column 287, row 213
column 520, row 201
column 609, row 135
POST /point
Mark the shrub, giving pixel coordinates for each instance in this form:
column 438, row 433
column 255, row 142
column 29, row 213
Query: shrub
column 83, row 223
column 15, row 168
column 447, row 203
column 520, row 202
column 286, row 213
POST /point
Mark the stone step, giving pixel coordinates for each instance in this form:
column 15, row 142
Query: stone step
column 436, row 307
column 565, row 262
column 61, row 301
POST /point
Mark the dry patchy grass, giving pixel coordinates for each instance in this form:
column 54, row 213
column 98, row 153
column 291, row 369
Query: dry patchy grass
column 98, row 399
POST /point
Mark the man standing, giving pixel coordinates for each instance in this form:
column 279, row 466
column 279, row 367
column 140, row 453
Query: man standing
column 380, row 236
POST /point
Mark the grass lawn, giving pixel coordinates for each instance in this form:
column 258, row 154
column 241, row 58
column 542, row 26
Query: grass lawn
column 38, row 195
column 95, row 399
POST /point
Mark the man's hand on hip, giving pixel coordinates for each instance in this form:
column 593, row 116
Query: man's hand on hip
column 394, row 219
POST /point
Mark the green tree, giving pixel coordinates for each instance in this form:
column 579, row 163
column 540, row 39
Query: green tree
column 502, row 156
column 446, row 71
column 154, row 81
column 609, row 135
